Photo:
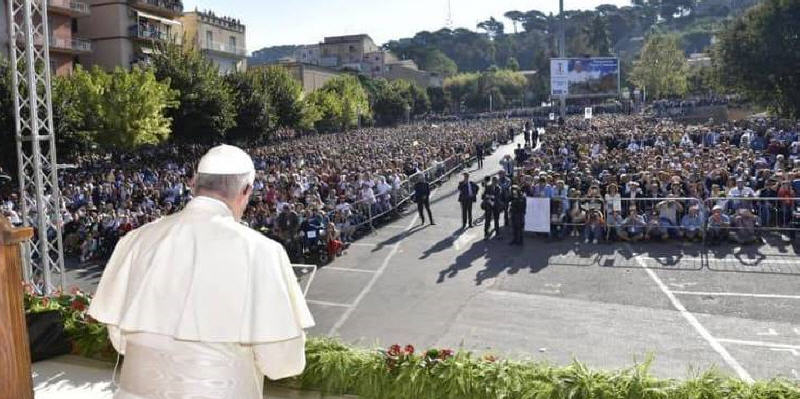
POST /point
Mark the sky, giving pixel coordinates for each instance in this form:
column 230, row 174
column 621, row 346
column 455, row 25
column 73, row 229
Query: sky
column 279, row 22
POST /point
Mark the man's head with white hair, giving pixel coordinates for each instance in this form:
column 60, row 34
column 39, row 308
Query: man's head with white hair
column 226, row 173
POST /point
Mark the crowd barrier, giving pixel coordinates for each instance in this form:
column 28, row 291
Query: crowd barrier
column 741, row 218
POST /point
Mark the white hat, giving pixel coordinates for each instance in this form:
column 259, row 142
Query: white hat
column 226, row 160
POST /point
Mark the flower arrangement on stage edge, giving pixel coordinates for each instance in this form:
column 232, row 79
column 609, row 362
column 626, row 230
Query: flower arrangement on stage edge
column 89, row 338
column 404, row 373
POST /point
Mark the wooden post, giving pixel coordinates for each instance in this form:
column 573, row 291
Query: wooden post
column 15, row 356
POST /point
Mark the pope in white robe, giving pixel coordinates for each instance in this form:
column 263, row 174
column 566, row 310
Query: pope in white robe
column 200, row 305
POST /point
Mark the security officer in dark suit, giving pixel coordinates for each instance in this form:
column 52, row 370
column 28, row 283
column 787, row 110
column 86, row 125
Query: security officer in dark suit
column 518, row 206
column 527, row 132
column 467, row 194
column 479, row 153
column 491, row 204
column 422, row 196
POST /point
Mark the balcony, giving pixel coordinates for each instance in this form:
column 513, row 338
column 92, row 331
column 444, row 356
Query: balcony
column 73, row 8
column 224, row 48
column 71, row 46
column 167, row 8
column 151, row 33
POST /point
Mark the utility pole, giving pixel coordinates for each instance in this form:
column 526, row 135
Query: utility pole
column 40, row 198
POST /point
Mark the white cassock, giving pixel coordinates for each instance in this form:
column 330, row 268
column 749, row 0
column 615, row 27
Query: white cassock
column 202, row 307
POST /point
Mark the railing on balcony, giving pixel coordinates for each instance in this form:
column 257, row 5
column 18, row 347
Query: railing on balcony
column 72, row 5
column 141, row 32
column 175, row 6
column 71, row 44
column 224, row 48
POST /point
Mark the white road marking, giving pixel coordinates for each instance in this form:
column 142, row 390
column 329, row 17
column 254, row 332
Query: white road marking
column 797, row 331
column 771, row 332
column 464, row 240
column 796, row 374
column 742, row 294
column 363, row 244
column 760, row 344
column 743, row 261
column 326, row 303
column 347, row 269
column 713, row 342
column 792, row 351
column 375, row 276
column 682, row 285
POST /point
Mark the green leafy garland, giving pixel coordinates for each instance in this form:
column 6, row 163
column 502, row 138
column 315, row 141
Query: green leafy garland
column 402, row 373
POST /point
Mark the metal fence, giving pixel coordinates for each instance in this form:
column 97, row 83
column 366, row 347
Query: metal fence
column 740, row 219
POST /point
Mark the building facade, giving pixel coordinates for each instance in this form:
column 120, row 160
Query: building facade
column 360, row 54
column 125, row 33
column 220, row 39
column 312, row 77
column 66, row 45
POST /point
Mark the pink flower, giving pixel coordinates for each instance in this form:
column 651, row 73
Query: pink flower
column 409, row 349
column 445, row 353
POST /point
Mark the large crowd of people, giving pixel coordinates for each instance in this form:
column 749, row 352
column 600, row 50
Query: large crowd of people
column 333, row 183
column 631, row 178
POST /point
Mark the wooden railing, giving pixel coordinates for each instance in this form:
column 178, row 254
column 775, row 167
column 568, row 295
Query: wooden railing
column 15, row 356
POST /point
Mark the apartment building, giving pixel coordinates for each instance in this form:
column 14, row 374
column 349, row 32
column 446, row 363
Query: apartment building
column 66, row 45
column 359, row 53
column 126, row 32
column 220, row 39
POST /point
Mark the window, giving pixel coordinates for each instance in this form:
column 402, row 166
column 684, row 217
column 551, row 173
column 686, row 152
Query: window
column 209, row 38
column 232, row 42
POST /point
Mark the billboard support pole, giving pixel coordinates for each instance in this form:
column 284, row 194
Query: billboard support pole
column 562, row 52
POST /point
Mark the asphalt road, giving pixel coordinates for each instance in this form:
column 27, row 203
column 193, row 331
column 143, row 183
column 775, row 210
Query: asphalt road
column 691, row 307
column 608, row 305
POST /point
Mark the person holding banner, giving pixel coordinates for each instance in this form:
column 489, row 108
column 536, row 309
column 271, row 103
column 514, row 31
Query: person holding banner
column 518, row 206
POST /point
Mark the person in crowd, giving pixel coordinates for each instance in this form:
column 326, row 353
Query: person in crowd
column 558, row 218
column 467, row 195
column 614, row 225
column 479, row 154
column 491, row 203
column 518, row 206
column 744, row 226
column 507, row 163
column 593, row 229
column 669, row 212
column 422, row 194
column 633, row 226
column 505, row 184
column 718, row 229
column 692, row 224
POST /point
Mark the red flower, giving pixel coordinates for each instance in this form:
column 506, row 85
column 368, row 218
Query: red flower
column 77, row 305
column 409, row 350
column 445, row 353
column 394, row 350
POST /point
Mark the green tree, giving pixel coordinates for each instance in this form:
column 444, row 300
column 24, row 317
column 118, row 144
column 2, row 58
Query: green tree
column 353, row 99
column 391, row 104
column 206, row 110
column 255, row 114
column 492, row 27
column 759, row 55
column 438, row 98
column 512, row 64
column 122, row 109
column 286, row 96
column 661, row 68
column 329, row 110
column 598, row 37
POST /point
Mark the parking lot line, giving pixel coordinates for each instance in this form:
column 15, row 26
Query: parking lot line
column 715, row 260
column 741, row 294
column 713, row 342
column 347, row 269
column 761, row 344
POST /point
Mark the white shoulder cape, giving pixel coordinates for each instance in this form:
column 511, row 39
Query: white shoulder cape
column 198, row 275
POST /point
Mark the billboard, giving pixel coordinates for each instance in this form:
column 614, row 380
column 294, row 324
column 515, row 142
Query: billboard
column 584, row 77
